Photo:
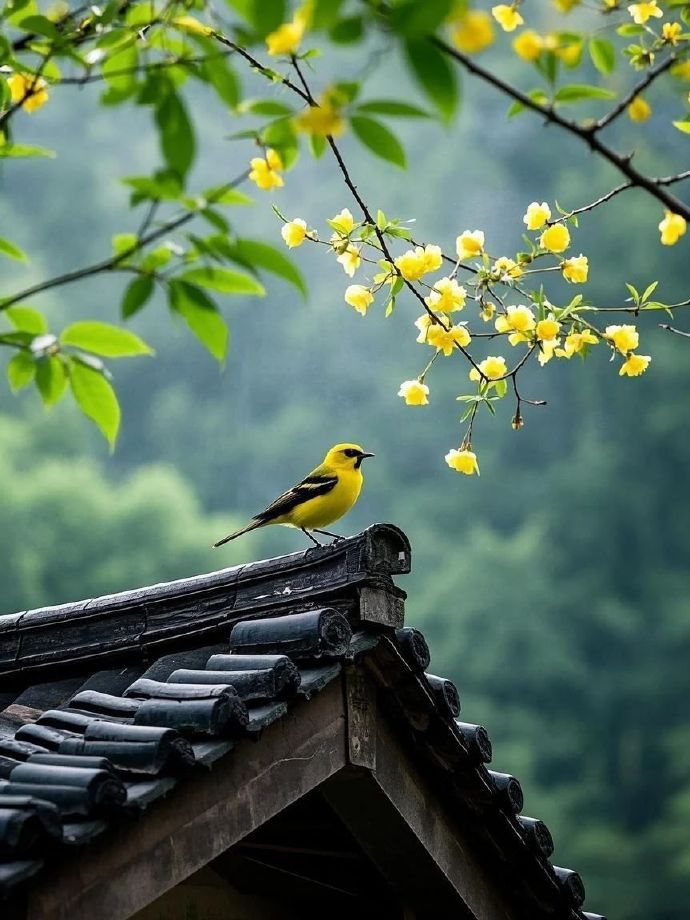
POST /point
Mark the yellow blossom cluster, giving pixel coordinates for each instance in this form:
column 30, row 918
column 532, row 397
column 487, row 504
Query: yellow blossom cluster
column 287, row 38
column 507, row 16
column 472, row 32
column 414, row 392
column 417, row 262
column 672, row 227
column 265, row 171
column 29, row 90
column 325, row 119
column 625, row 339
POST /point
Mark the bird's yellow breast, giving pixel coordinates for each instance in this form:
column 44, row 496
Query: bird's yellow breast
column 325, row 509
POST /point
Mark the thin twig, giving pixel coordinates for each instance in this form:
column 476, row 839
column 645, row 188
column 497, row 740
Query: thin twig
column 639, row 87
column 674, row 330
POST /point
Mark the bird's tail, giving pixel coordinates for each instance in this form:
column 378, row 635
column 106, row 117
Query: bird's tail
column 252, row 525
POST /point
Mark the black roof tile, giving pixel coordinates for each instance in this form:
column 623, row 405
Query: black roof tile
column 111, row 702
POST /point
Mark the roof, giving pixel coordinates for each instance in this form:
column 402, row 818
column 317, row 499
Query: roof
column 110, row 704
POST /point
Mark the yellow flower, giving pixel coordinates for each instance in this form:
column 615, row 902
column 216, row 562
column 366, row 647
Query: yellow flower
column 264, row 172
column 417, row 262
column 492, row 368
column 473, row 32
column 350, row 259
column 528, row 45
column 464, row 461
column 359, row 297
column 414, row 392
column 192, row 25
column 576, row 269
column 345, row 221
column 547, row 329
column 324, row 119
column 469, row 243
column 433, row 258
column 639, row 109
column 423, row 324
column 634, row 366
column 671, row 31
column 506, row 268
column 641, row 12
column 569, row 54
column 446, row 340
column 672, row 227
column 547, row 349
column 294, row 232
column 487, row 312
column 625, row 338
column 286, row 38
column 507, row 17
column 565, row 6
column 516, row 319
column 30, row 90
column 555, row 238
column 446, row 296
column 537, row 215
column 681, row 70
column 575, row 342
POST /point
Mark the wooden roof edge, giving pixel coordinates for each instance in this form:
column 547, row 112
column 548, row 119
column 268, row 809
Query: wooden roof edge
column 189, row 608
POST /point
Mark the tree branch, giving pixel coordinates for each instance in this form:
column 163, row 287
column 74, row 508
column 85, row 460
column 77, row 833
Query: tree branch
column 114, row 263
column 588, row 136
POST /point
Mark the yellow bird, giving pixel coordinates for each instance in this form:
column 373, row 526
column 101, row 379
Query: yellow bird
column 321, row 498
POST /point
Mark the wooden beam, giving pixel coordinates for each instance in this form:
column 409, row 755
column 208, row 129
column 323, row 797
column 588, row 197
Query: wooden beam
column 141, row 860
column 398, row 819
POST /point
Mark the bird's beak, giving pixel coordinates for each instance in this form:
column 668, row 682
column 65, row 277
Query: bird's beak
column 367, row 455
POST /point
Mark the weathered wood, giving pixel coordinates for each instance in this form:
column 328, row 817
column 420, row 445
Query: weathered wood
column 137, row 863
column 399, row 821
column 381, row 606
column 150, row 620
column 360, row 716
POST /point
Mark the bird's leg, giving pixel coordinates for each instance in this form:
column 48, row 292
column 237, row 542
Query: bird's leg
column 327, row 533
column 312, row 538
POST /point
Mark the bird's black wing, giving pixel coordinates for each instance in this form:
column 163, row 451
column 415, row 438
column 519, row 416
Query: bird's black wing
column 310, row 487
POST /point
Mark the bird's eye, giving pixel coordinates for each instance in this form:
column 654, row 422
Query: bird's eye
column 350, row 452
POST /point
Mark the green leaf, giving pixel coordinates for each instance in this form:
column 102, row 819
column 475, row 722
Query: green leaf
column 119, row 68
column 12, row 250
column 264, row 107
column 348, row 30
column 683, row 126
column 21, row 370
column 393, row 108
column 123, row 242
column 27, row 319
column 574, row 92
column 435, row 75
column 225, row 280
column 176, row 134
column 96, row 399
column 223, row 79
column 202, row 316
column 412, row 18
column 537, row 95
column 629, row 28
column 17, row 151
column 136, row 295
column 317, row 145
column 40, row 25
column 255, row 254
column 51, row 379
column 228, row 197
column 378, row 139
column 603, row 55
column 104, row 339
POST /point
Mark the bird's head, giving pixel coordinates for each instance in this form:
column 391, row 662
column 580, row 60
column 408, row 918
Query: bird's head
column 345, row 457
